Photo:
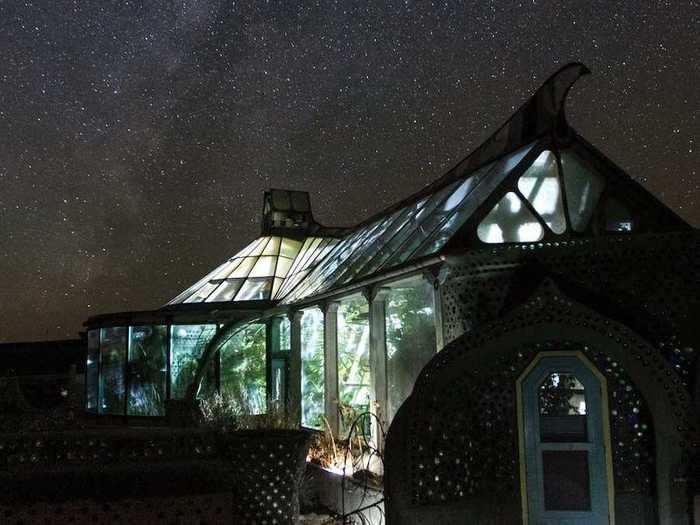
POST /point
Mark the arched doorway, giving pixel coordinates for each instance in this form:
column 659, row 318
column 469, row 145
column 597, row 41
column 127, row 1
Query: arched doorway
column 565, row 454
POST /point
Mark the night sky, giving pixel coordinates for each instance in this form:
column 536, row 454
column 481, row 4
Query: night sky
column 136, row 138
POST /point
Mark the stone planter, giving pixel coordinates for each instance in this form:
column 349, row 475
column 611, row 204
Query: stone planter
column 266, row 471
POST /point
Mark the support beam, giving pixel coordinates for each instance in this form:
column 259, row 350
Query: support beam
column 435, row 282
column 377, row 360
column 330, row 335
column 294, row 406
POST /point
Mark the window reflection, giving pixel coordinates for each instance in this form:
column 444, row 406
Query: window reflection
column 410, row 338
column 147, row 370
column 353, row 359
column 242, row 368
column 186, row 347
column 312, row 368
column 562, row 407
column 540, row 185
column 510, row 221
column 113, row 360
column 583, row 187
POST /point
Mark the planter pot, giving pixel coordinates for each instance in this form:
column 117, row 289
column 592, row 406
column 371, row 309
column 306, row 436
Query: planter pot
column 267, row 467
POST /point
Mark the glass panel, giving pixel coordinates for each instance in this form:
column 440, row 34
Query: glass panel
column 187, row 342
column 113, row 359
column 510, row 221
column 283, row 265
column 202, row 293
column 251, row 247
column 273, row 247
column 225, row 270
column 562, row 406
column 265, row 267
column 255, row 290
column 540, row 185
column 226, row 291
column 147, row 369
column 353, row 359
column 258, row 249
column 566, row 480
column 279, row 381
column 281, row 337
column 242, row 370
column 290, row 248
column 312, row 373
column 617, row 216
column 484, row 181
column 92, row 368
column 410, row 339
column 244, row 268
column 277, row 283
column 583, row 187
column 411, row 235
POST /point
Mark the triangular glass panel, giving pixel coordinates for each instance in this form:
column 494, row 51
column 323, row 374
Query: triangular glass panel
column 583, row 187
column 540, row 185
column 510, row 221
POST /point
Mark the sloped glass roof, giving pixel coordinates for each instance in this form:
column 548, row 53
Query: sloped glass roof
column 258, row 272
column 419, row 228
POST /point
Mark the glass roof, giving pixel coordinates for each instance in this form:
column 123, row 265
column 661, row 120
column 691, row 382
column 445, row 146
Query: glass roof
column 415, row 230
column 258, row 272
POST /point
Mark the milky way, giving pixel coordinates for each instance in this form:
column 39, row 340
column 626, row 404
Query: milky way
column 136, row 138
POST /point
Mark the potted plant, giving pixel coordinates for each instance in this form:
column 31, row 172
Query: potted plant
column 267, row 455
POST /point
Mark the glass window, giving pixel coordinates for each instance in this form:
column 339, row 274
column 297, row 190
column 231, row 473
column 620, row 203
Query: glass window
column 259, row 247
column 243, row 368
column 283, row 265
column 272, row 247
column 562, row 406
column 225, row 269
column 265, row 267
column 92, row 368
column 290, row 248
column 226, row 291
column 255, row 290
column 187, row 343
column 353, row 359
column 278, row 392
column 281, row 336
column 510, row 221
column 583, row 187
column 540, row 185
column 312, row 372
column 147, row 369
column 113, row 360
column 617, row 216
column 244, row 268
column 202, row 293
column 410, row 338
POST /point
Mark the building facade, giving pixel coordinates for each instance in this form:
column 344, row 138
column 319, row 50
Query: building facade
column 522, row 325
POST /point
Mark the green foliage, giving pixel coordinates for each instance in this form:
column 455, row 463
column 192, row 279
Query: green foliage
column 147, row 364
column 243, row 366
column 410, row 339
column 231, row 412
column 187, row 346
column 312, row 369
column 353, row 358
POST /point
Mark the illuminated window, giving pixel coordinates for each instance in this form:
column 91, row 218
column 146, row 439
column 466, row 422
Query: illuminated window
column 147, row 367
column 242, row 368
column 510, row 221
column 312, row 368
column 353, row 359
column 540, row 186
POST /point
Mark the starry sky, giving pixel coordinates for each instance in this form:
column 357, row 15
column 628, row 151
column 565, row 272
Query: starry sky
column 137, row 138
